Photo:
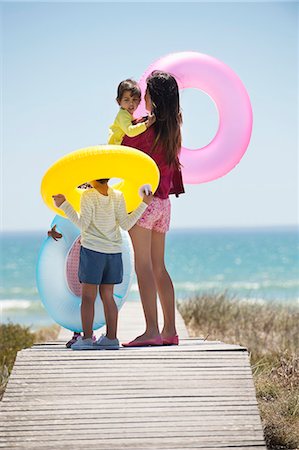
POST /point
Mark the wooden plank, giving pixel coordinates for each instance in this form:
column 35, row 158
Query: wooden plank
column 184, row 347
column 196, row 345
column 137, row 418
column 101, row 369
column 151, row 442
column 129, row 372
column 164, row 446
column 60, row 379
column 133, row 365
column 92, row 446
column 18, row 414
column 102, row 435
column 151, row 401
column 206, row 406
column 128, row 383
column 169, row 400
column 67, row 410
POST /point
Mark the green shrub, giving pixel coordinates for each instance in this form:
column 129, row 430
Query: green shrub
column 270, row 332
column 13, row 338
column 261, row 327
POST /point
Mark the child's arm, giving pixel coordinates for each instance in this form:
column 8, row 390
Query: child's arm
column 83, row 220
column 125, row 123
column 127, row 221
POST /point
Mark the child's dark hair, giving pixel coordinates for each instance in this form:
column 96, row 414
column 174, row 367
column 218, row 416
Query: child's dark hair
column 164, row 92
column 128, row 85
column 103, row 180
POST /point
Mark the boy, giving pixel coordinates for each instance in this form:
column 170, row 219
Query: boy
column 103, row 211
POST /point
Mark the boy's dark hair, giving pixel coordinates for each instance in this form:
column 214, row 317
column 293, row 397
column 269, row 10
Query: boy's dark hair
column 128, row 85
column 103, row 180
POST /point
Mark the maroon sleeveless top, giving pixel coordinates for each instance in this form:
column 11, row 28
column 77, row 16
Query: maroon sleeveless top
column 170, row 177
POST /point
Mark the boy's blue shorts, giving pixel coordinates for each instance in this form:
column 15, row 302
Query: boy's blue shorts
column 100, row 268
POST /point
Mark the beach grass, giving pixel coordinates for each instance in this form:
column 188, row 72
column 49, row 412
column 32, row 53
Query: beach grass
column 13, row 338
column 270, row 332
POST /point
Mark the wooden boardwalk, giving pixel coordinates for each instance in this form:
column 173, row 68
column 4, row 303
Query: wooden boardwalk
column 197, row 395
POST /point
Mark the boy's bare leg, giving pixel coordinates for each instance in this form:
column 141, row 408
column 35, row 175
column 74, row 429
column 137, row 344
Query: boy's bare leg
column 110, row 310
column 89, row 293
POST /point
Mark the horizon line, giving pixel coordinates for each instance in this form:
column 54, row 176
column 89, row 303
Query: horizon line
column 186, row 228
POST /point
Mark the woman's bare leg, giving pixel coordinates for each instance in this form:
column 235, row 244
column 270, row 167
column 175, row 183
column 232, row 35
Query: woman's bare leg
column 89, row 293
column 141, row 239
column 163, row 283
column 110, row 309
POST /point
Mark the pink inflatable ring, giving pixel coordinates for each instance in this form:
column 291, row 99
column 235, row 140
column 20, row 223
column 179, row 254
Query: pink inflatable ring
column 196, row 70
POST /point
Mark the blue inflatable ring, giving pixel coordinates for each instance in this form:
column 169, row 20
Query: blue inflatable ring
column 61, row 303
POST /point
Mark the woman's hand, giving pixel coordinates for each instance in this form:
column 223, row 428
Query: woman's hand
column 58, row 199
column 151, row 120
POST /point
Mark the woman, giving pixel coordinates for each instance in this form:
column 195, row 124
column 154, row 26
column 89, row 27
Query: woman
column 162, row 141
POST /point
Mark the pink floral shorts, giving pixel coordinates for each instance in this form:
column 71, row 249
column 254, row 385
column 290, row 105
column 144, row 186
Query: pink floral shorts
column 156, row 216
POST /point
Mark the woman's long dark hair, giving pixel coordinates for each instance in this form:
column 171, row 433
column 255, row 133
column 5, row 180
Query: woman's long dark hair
column 164, row 92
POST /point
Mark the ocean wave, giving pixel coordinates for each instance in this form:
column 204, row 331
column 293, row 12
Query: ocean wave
column 18, row 290
column 242, row 285
column 263, row 301
column 190, row 286
column 20, row 304
column 266, row 284
column 183, row 289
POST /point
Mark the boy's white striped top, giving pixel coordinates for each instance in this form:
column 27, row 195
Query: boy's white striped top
column 101, row 218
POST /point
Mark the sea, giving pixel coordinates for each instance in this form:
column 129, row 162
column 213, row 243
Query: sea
column 256, row 264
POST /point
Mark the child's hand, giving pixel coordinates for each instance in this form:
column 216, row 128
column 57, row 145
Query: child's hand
column 148, row 198
column 145, row 191
column 58, row 199
column 151, row 120
column 54, row 234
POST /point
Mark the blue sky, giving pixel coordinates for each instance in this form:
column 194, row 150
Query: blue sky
column 61, row 65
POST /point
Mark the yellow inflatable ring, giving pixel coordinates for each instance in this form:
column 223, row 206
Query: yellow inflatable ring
column 134, row 167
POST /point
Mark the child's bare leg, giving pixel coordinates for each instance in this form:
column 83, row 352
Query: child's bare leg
column 89, row 293
column 110, row 310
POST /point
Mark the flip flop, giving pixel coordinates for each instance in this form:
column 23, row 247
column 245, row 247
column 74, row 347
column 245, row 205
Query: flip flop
column 147, row 343
column 172, row 340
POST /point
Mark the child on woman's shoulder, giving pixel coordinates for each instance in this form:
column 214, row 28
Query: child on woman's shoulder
column 128, row 98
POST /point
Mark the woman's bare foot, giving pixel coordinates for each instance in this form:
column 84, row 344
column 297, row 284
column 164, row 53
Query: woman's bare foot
column 145, row 340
